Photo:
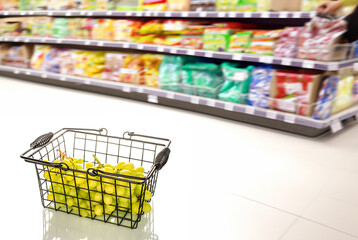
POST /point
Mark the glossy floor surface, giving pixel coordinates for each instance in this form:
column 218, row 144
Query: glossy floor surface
column 224, row 179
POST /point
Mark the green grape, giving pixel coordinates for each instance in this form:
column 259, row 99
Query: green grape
column 107, row 165
column 99, row 187
column 84, row 209
column 147, row 195
column 97, row 197
column 146, row 207
column 71, row 191
column 89, row 165
column 138, row 190
column 128, row 166
column 59, row 198
column 123, row 204
column 57, row 188
column 109, row 189
column 92, row 183
column 108, row 209
column 135, row 208
column 140, row 170
column 50, row 197
column 134, row 199
column 79, row 161
column 126, row 172
column 141, row 175
column 83, row 194
column 119, row 166
column 83, row 185
column 71, row 183
column 79, row 167
column 108, row 199
column 127, row 194
column 121, row 191
column 46, row 175
column 80, row 179
column 98, row 210
column 71, row 201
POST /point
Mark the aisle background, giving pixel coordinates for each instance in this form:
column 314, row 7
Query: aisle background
column 224, row 179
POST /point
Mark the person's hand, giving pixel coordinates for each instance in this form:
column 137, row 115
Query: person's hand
column 329, row 7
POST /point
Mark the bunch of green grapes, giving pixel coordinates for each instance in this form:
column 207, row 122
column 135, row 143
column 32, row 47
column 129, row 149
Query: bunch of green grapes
column 94, row 193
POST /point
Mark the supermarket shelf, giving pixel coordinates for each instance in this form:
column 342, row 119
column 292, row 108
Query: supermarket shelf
column 166, row 14
column 263, row 117
column 292, row 62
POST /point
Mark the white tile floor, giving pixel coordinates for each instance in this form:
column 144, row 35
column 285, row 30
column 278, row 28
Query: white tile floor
column 224, row 179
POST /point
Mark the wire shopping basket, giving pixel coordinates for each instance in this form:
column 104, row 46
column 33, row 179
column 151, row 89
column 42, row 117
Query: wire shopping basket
column 86, row 172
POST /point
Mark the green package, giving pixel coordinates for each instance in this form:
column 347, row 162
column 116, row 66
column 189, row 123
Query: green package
column 201, row 79
column 217, row 39
column 59, row 28
column 246, row 5
column 237, row 83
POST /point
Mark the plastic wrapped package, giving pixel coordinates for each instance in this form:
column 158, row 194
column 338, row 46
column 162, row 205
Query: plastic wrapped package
column 103, row 29
column 263, row 42
column 60, row 28
column 201, row 79
column 127, row 5
column 240, row 42
column 287, row 44
column 42, row 26
column 170, row 72
column 133, row 70
column 67, row 61
column 237, row 83
column 88, row 4
column 327, row 94
column 260, row 86
column 89, row 63
column 154, row 5
column 217, row 39
column 319, row 40
column 202, row 5
column 178, row 5
column 15, row 55
column 38, row 56
column 61, row 4
column 344, row 98
column 152, row 64
column 9, row 5
column 295, row 91
column 126, row 30
column 113, row 66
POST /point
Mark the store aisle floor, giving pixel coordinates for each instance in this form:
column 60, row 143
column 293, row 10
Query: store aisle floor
column 224, row 179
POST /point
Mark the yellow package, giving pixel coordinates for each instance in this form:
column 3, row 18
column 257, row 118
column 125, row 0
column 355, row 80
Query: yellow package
column 152, row 63
column 38, row 56
column 103, row 29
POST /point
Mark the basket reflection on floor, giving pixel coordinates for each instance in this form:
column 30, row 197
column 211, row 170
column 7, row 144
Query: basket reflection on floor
column 60, row 183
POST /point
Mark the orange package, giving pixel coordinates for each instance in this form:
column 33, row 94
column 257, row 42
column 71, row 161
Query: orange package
column 133, row 70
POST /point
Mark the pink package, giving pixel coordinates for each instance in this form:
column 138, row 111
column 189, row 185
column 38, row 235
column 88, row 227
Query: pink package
column 287, row 44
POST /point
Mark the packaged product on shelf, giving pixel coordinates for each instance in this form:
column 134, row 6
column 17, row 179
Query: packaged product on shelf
column 127, row 5
column 39, row 5
column 171, row 27
column 59, row 27
column 202, row 5
column 103, row 5
column 216, row 39
column 326, row 96
column 172, row 40
column 295, row 91
column 9, row 5
column 287, row 44
column 191, row 41
column 38, row 56
column 152, row 27
column 154, row 5
column 103, row 29
column 15, row 55
column 85, row 26
column 51, row 61
column 133, row 70
column 227, row 5
column 126, row 30
column 88, row 4
column 61, row 4
column 170, row 72
column 260, row 87
column 320, row 38
column 67, row 61
column 41, row 26
column 201, row 79
column 14, row 27
column 263, row 42
column 237, row 83
column 355, row 89
column 152, row 64
column 178, row 5
column 89, row 63
column 246, row 5
column 279, row 5
column 344, row 97
column 240, row 42
column 113, row 66
column 23, row 5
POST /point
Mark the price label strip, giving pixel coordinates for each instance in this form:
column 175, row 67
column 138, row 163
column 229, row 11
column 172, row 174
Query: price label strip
column 336, row 126
column 290, row 118
column 153, row 99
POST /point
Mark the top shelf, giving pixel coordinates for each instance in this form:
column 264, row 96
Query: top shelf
column 164, row 14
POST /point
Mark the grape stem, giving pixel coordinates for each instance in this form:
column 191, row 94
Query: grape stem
column 99, row 163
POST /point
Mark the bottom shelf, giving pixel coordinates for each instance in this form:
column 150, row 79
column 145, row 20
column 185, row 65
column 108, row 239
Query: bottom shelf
column 291, row 123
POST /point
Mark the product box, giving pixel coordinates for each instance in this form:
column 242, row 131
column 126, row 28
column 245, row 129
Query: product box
column 16, row 55
column 279, row 5
column 295, row 91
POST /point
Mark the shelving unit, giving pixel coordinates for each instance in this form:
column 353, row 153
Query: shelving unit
column 165, row 14
column 247, row 57
column 305, row 126
column 292, row 123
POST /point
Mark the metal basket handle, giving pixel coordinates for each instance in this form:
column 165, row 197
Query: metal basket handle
column 42, row 140
column 162, row 158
